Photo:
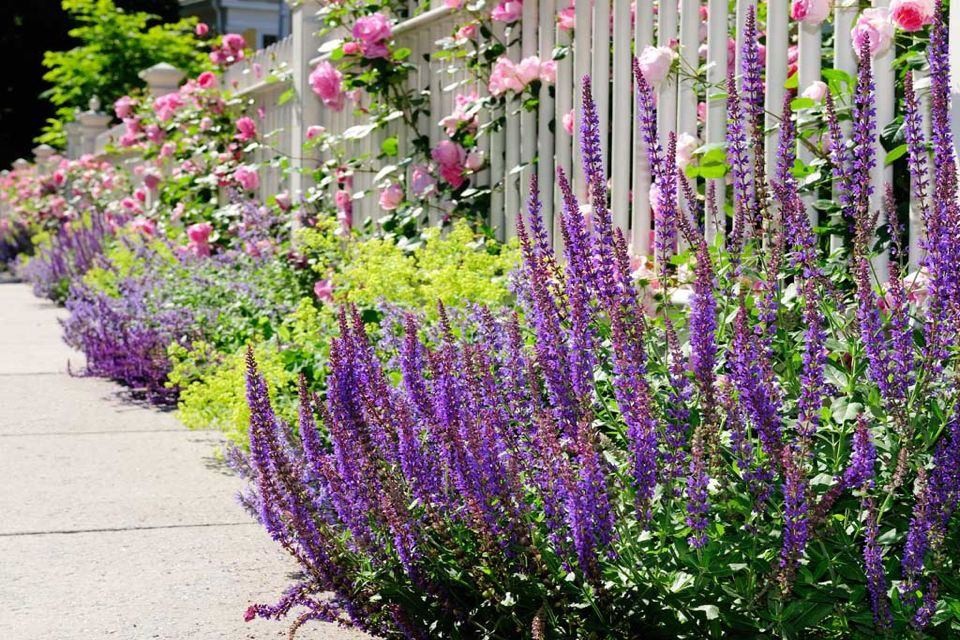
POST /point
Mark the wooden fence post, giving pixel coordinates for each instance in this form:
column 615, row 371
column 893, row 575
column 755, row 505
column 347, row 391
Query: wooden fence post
column 307, row 110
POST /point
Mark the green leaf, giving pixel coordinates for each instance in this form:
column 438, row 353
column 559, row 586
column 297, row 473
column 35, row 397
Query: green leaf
column 798, row 104
column 895, row 154
column 286, row 96
column 390, row 146
column 792, row 82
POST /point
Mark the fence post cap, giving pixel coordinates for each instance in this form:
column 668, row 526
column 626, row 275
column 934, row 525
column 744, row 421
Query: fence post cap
column 162, row 76
column 20, row 164
column 42, row 152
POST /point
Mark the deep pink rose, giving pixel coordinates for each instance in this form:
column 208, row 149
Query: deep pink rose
column 234, row 41
column 207, row 80
column 422, row 182
column 372, row 32
column 912, row 15
column 327, row 84
column 201, row 29
column 810, row 11
column 567, row 18
column 246, row 129
column 144, row 225
column 448, row 154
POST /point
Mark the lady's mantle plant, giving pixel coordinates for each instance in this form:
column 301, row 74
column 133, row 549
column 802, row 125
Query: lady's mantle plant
column 781, row 458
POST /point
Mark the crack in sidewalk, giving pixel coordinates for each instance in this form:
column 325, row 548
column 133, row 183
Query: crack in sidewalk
column 18, row 534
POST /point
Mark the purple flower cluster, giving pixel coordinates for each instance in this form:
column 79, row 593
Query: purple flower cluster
column 70, row 253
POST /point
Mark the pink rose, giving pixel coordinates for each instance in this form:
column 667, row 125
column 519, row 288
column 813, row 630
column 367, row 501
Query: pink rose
column 391, row 197
column 507, row 11
column 567, row 18
column 448, row 154
column 323, row 289
column 528, row 70
column 344, row 203
column 199, row 235
column 548, row 72
column 201, row 29
column 234, row 41
column 151, row 179
column 686, row 145
column 123, row 107
column 247, row 177
column 474, row 160
column 655, row 63
column 452, row 4
column 283, row 200
column 372, row 31
column 327, row 84
column 207, row 80
column 246, row 129
column 912, row 15
column 874, row 30
column 422, row 182
column 504, row 77
column 167, row 149
column 351, row 48
column 143, row 225
column 569, row 118
column 810, row 11
column 314, row 130
column 154, row 133
column 467, row 31
column 461, row 115
column 817, row 91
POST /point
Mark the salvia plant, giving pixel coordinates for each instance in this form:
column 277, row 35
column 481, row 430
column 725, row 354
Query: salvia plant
column 778, row 458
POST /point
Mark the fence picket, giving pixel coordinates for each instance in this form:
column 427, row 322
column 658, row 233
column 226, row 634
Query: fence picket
column 641, row 223
column 716, row 125
column 622, row 121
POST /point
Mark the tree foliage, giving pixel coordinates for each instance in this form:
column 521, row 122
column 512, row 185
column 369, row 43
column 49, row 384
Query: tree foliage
column 114, row 47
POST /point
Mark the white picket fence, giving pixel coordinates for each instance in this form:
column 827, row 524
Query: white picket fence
column 601, row 26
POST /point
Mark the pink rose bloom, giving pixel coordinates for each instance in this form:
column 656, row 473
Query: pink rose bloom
column 247, row 177
column 817, row 91
column 452, row 175
column 207, row 80
column 655, row 63
column 154, row 133
column 567, row 18
column 166, row 106
column 314, row 130
column 140, row 195
column 123, row 107
column 391, row 197
column 686, row 145
column 372, row 31
column 167, row 149
column 151, row 179
column 201, row 29
column 257, row 69
column 474, row 160
column 504, row 77
column 421, row 181
column 461, row 115
column 702, row 111
column 548, row 72
column 507, row 11
column 351, row 48
column 283, row 200
column 448, row 154
column 327, row 84
column 528, row 70
column 874, row 30
column 143, row 225
column 246, row 129
column 234, row 41
column 467, row 31
column 810, row 11
column 912, row 15
column 323, row 289
column 452, row 4
column 200, row 232
column 59, row 177
column 569, row 118
column 344, row 203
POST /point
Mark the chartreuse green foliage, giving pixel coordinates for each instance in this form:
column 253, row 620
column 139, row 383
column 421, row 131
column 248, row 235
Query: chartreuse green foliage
column 114, row 47
column 457, row 267
column 454, row 268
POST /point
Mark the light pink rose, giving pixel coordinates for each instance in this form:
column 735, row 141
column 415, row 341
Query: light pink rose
column 507, row 11
column 686, row 145
column 314, row 130
column 461, row 116
column 452, row 4
column 283, row 200
column 154, row 133
column 205, row 123
column 247, row 177
column 201, row 29
column 167, row 149
column 817, row 91
column 391, row 197
column 912, row 15
column 351, row 48
column 123, row 107
column 467, row 31
column 207, row 80
column 873, row 29
column 655, row 63
column 344, row 204
column 144, row 225
column 323, row 289
column 246, row 129
column 422, row 182
column 503, row 77
column 474, row 160
column 548, row 72
column 528, row 70
column 327, row 84
column 569, row 119
column 810, row 11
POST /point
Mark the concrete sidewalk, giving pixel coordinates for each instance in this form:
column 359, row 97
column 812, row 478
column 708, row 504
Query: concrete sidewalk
column 115, row 521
